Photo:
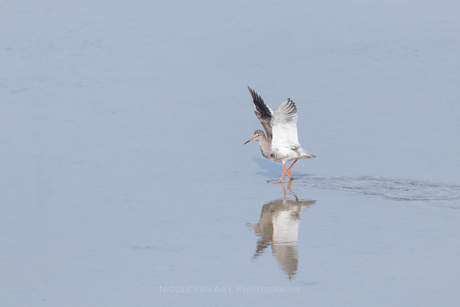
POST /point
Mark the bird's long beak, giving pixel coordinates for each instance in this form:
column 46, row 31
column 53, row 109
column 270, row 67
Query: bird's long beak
column 249, row 141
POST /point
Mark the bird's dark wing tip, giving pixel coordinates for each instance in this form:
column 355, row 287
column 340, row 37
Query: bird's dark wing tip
column 259, row 104
column 253, row 93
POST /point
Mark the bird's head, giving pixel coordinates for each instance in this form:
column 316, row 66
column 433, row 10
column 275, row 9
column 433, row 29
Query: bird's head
column 258, row 135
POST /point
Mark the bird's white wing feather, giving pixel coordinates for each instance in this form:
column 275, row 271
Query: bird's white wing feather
column 284, row 125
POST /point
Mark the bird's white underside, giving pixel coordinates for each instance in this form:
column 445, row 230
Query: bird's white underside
column 284, row 125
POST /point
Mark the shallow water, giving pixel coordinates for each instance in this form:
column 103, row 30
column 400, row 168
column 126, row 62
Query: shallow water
column 437, row 194
column 124, row 180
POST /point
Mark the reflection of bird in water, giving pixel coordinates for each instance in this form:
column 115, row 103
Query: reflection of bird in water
column 279, row 225
column 281, row 143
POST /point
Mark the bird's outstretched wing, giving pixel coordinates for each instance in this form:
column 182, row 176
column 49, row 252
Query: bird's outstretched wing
column 284, row 125
column 263, row 112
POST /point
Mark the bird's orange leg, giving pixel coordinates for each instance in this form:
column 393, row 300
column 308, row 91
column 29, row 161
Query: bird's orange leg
column 289, row 188
column 283, row 172
column 289, row 170
column 284, row 190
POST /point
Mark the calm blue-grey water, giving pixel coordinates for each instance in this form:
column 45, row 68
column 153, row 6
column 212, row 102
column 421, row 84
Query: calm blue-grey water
column 124, row 180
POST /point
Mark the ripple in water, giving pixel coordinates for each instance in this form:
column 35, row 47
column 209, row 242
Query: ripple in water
column 445, row 195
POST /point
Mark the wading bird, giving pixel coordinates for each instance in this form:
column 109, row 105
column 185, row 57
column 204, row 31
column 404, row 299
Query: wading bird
column 281, row 143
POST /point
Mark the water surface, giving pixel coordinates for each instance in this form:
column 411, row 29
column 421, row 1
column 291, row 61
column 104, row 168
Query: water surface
column 124, row 180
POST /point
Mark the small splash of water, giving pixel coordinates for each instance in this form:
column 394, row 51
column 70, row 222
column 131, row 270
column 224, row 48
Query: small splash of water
column 445, row 195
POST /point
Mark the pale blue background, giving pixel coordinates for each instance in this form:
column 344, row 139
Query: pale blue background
column 122, row 165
